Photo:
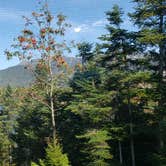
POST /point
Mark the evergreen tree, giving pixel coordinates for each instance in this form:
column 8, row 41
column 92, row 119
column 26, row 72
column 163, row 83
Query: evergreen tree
column 85, row 52
column 113, row 110
column 122, row 73
column 150, row 16
column 54, row 157
column 9, row 104
column 92, row 105
column 33, row 132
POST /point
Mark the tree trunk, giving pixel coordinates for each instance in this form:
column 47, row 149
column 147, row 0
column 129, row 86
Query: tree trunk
column 132, row 145
column 131, row 132
column 161, row 142
column 52, row 103
column 161, row 69
column 120, row 152
column 53, row 119
column 10, row 155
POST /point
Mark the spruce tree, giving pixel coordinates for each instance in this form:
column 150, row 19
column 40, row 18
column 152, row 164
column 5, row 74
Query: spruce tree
column 85, row 52
column 54, row 157
column 92, row 104
column 122, row 72
column 150, row 17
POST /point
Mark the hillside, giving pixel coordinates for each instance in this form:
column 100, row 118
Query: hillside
column 18, row 76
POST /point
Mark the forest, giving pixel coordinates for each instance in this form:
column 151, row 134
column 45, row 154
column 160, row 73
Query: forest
column 109, row 109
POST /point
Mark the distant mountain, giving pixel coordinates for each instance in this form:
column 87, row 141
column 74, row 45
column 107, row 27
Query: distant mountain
column 19, row 76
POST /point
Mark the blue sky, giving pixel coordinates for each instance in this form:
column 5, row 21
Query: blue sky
column 86, row 16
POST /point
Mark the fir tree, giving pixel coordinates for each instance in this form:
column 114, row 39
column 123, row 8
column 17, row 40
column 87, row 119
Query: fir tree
column 150, row 16
column 54, row 157
column 121, row 66
column 85, row 52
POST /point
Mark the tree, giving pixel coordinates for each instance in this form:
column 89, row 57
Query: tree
column 91, row 103
column 40, row 39
column 54, row 157
column 110, row 112
column 31, row 132
column 122, row 72
column 9, row 104
column 150, row 18
column 4, row 147
column 117, row 45
column 85, row 52
column 97, row 147
column 43, row 42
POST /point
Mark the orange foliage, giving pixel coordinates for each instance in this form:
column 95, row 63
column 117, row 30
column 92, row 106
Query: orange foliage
column 33, row 40
column 28, row 46
column 43, row 30
column 48, row 49
column 21, row 39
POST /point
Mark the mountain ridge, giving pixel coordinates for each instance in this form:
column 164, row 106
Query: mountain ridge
column 19, row 76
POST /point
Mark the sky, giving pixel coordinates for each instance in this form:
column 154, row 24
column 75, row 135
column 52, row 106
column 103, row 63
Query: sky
column 86, row 16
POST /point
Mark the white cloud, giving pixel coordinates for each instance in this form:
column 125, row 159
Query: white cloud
column 91, row 26
column 10, row 14
column 81, row 28
column 99, row 23
column 78, row 29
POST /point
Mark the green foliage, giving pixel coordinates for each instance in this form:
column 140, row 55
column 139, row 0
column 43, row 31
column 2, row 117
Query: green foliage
column 31, row 132
column 8, row 116
column 97, row 147
column 150, row 17
column 110, row 112
column 54, row 157
column 115, row 16
column 85, row 51
column 93, row 103
column 4, row 147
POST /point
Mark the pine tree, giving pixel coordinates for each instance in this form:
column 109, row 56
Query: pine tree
column 97, row 147
column 91, row 103
column 150, row 16
column 54, row 157
column 9, row 103
column 85, row 52
column 122, row 72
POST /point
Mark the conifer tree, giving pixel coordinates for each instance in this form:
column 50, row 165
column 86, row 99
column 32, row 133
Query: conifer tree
column 91, row 103
column 54, row 157
column 85, row 52
column 120, row 69
column 9, row 104
column 150, row 17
